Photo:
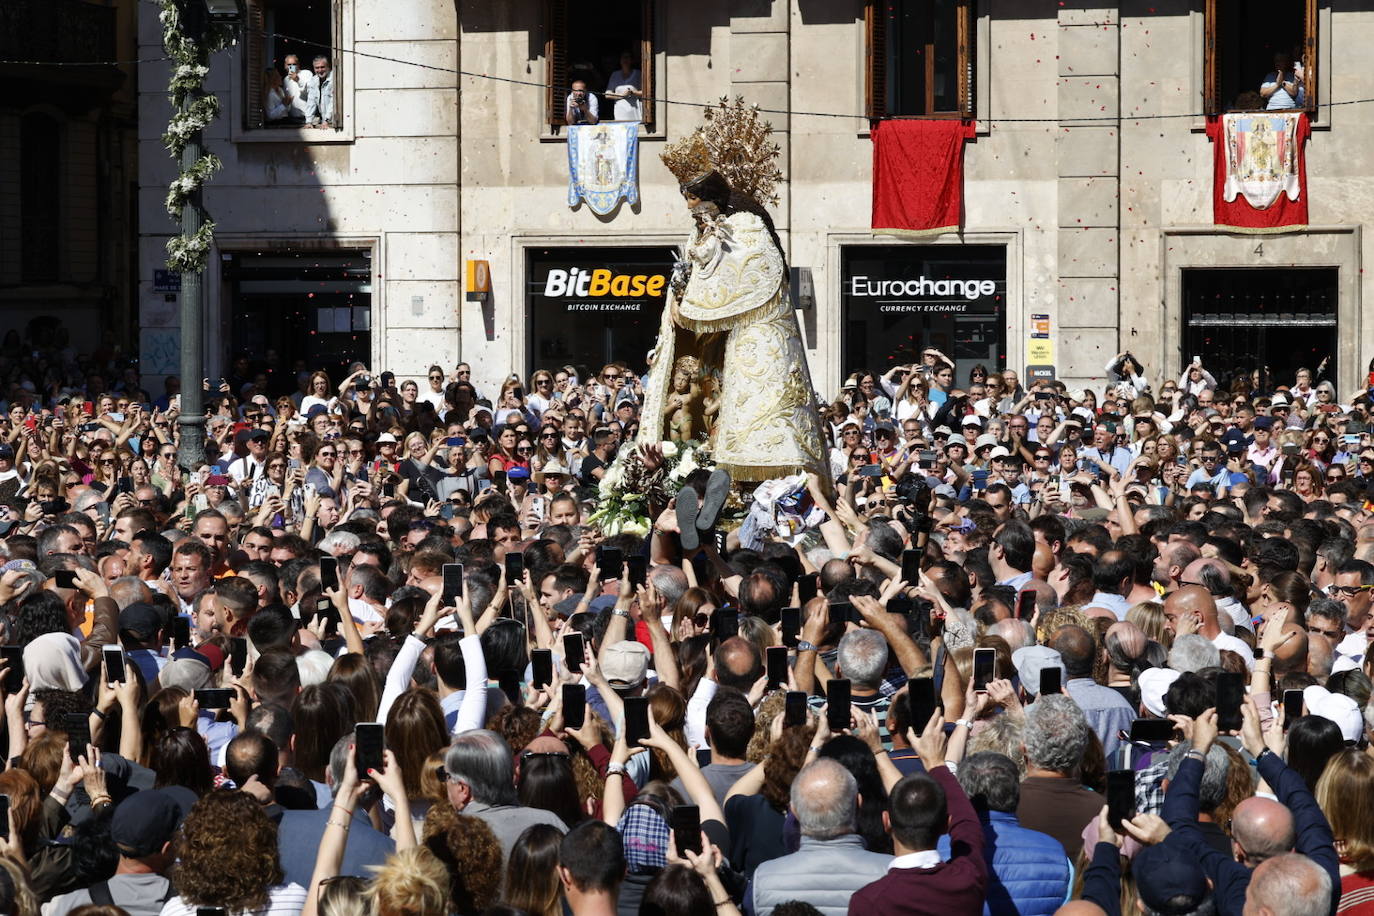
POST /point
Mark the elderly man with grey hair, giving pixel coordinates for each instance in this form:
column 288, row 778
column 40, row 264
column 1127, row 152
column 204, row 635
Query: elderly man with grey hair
column 481, row 782
column 1053, row 800
column 1193, row 652
column 1028, row 872
column 862, row 658
column 1289, row 885
column 831, row 863
column 1018, row 633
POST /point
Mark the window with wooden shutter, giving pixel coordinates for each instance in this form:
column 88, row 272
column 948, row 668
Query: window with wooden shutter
column 556, row 60
column 584, row 40
column 1240, row 42
column 919, row 58
column 255, row 61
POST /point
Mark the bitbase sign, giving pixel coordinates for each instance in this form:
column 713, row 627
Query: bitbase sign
column 591, row 287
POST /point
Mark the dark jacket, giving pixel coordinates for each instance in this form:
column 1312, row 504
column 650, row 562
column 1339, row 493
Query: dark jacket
column 1028, row 871
column 953, row 887
column 1230, row 878
column 1102, row 879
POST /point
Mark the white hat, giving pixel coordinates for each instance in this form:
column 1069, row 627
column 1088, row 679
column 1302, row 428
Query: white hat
column 1280, row 399
column 1154, row 683
column 1077, row 394
column 943, row 431
column 1345, row 663
column 554, row 466
column 1029, row 661
column 971, row 420
column 999, row 452
column 986, row 439
column 386, row 437
column 1337, row 707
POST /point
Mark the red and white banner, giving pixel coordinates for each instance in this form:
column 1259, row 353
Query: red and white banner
column 1259, row 180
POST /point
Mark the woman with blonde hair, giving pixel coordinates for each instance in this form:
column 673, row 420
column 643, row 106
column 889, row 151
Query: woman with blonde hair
column 1149, row 616
column 1343, row 793
column 413, row 882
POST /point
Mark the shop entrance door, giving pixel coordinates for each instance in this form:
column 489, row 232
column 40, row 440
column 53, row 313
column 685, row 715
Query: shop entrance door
column 299, row 310
column 1241, row 319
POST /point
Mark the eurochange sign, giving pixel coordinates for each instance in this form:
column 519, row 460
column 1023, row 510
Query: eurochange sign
column 914, row 279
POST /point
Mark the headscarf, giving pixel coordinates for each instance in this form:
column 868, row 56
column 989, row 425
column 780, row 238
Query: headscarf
column 53, row 661
column 645, row 835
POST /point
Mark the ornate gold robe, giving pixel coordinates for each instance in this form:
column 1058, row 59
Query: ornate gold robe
column 767, row 426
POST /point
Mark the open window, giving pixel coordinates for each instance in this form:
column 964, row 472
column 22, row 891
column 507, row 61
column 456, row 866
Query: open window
column 299, row 32
column 593, row 42
column 1246, row 40
column 919, row 58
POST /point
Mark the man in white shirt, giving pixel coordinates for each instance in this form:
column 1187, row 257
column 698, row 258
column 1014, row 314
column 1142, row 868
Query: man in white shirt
column 250, row 466
column 582, row 105
column 302, row 90
column 1195, row 602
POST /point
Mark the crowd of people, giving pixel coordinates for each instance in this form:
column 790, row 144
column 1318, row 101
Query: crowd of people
column 1031, row 650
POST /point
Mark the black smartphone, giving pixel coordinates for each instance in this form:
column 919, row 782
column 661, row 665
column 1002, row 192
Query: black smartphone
column 181, row 632
column 1230, row 694
column 1120, row 797
column 78, row 729
column 214, row 697
column 1152, row 731
column 5, row 816
column 498, row 479
column 124, row 485
column 211, row 911
column 541, row 664
column 325, row 610
column 777, row 666
column 724, row 624
column 610, row 561
column 791, row 626
column 925, row 459
column 984, row 668
column 911, row 566
column 638, row 567
column 454, row 441
column 1292, row 707
column 841, row 612
column 388, row 489
column 114, row 664
column 573, row 652
column 921, row 696
column 238, row 655
column 510, row 686
column 837, row 696
column 636, row 720
column 515, row 568
column 871, row 470
column 329, row 574
column 574, row 705
column 808, row 587
column 687, row 830
column 1025, row 605
column 794, row 708
column 369, row 741
column 64, row 578
column 13, row 657
column 1051, row 681
column 453, row 582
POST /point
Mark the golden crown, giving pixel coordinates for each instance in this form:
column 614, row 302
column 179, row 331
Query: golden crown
column 688, row 159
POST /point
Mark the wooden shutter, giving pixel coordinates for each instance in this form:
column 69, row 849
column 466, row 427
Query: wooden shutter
column 875, row 54
column 337, row 65
column 1211, row 67
column 556, row 60
column 1309, row 56
column 646, row 61
column 966, row 58
column 254, row 39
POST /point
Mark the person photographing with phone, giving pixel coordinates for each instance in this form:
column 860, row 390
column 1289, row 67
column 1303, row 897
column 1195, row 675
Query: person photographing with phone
column 582, row 106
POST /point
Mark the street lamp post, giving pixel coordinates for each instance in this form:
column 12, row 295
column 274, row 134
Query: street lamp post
column 191, row 421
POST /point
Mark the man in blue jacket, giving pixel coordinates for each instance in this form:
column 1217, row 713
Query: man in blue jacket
column 1028, row 871
column 1256, row 835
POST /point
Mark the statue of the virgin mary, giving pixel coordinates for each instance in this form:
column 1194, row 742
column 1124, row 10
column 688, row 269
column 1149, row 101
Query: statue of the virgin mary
column 729, row 359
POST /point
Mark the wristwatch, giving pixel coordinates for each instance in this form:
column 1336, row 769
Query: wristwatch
column 804, row 646
column 620, row 612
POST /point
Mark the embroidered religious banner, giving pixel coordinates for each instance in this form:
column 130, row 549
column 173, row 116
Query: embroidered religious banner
column 603, row 164
column 1259, row 170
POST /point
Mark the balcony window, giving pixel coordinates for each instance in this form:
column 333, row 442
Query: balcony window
column 599, row 61
column 1247, row 42
column 291, row 73
column 919, row 58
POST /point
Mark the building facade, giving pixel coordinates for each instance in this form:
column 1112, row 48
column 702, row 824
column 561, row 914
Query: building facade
column 1087, row 222
column 68, row 178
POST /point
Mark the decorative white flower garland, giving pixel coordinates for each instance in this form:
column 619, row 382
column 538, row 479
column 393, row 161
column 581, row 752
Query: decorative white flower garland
column 190, row 65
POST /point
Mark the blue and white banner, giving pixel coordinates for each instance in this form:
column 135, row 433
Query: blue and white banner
column 603, row 164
